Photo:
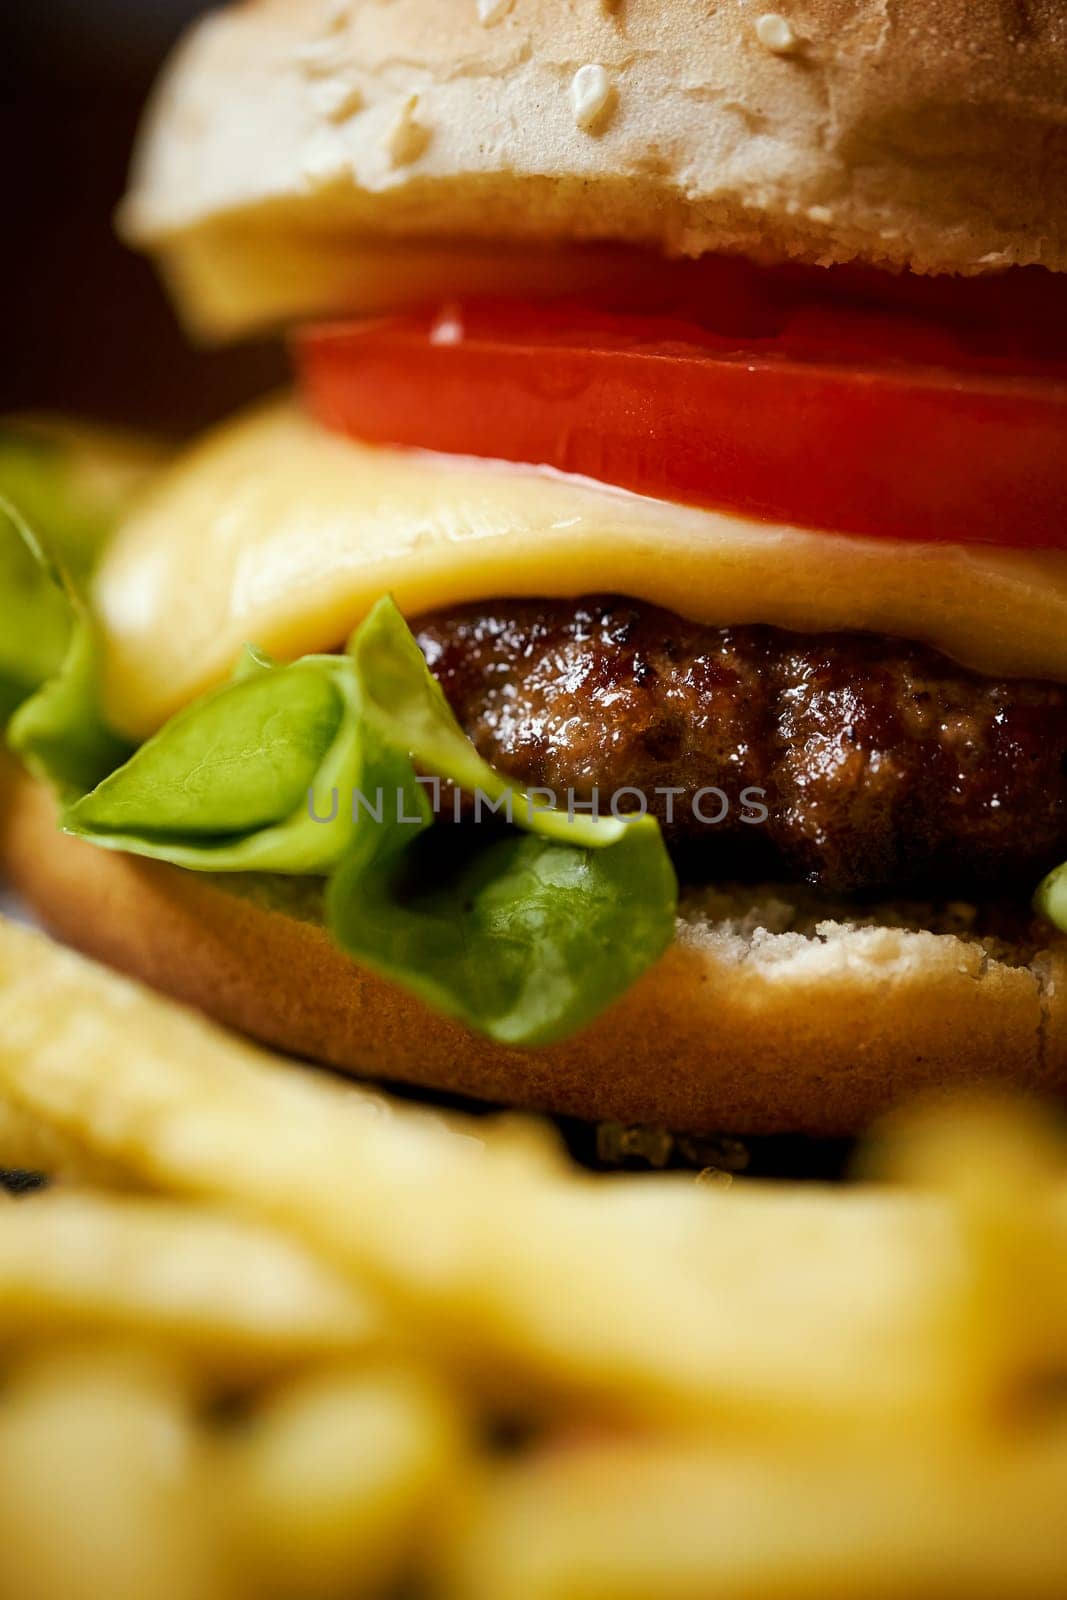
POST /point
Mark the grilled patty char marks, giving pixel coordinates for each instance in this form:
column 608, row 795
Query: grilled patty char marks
column 884, row 764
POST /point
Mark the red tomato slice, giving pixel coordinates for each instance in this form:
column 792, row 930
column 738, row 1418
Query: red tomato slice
column 840, row 413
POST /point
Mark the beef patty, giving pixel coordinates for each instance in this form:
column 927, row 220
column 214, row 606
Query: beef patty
column 882, row 763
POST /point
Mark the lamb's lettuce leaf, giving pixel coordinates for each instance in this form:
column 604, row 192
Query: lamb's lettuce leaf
column 59, row 732
column 48, row 667
column 228, row 784
column 525, row 939
column 326, row 766
column 62, row 489
column 35, row 618
column 407, row 705
column 71, row 483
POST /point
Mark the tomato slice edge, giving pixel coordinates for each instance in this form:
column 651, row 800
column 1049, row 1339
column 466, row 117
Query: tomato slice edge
column 882, row 446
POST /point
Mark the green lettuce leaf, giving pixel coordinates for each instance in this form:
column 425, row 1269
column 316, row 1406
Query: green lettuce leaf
column 62, row 488
column 408, row 707
column 59, row 732
column 71, row 483
column 319, row 768
column 35, row 618
column 228, row 784
column 525, row 940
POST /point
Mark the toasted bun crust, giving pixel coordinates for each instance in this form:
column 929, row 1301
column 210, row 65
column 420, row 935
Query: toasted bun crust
column 929, row 134
column 739, row 1027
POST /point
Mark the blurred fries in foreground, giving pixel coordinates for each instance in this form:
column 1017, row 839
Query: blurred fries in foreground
column 227, row 1294
column 686, row 1522
column 265, row 1335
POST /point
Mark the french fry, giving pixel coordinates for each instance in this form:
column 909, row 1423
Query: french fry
column 339, row 1480
column 103, row 1483
column 655, row 1300
column 761, row 1393
column 231, row 1297
column 29, row 1145
column 806, row 1521
column 648, row 1297
column 1001, row 1166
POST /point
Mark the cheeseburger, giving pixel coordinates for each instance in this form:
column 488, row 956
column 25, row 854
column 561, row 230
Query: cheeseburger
column 627, row 676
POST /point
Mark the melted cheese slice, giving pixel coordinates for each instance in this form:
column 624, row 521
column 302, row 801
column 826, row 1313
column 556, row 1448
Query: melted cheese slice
column 275, row 532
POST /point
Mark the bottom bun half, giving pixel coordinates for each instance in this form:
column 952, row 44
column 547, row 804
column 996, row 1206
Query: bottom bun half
column 771, row 1013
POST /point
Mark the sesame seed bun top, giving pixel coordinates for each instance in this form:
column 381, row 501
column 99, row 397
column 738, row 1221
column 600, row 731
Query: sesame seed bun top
column 293, row 142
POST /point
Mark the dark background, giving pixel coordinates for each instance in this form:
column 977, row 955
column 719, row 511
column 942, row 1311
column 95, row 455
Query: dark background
column 87, row 328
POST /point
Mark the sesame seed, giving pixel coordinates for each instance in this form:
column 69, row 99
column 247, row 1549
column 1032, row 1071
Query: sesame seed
column 490, row 11
column 406, row 138
column 776, row 33
column 318, row 58
column 590, row 93
column 337, row 100
column 324, row 162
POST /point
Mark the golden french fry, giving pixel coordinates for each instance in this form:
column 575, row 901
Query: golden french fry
column 759, row 1305
column 338, row 1481
column 230, row 1295
column 845, row 1386
column 190, row 1108
column 104, row 1492
column 623, row 1520
column 1001, row 1165
column 30, row 1145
